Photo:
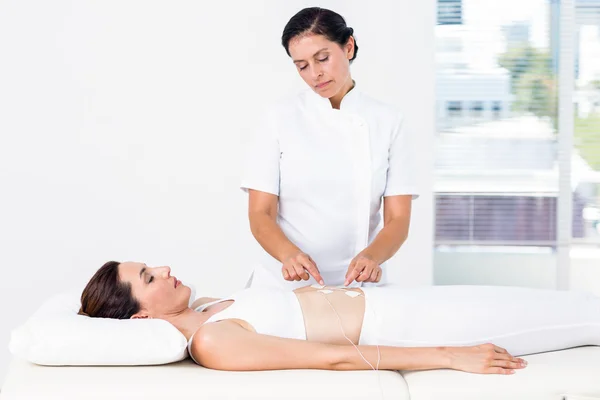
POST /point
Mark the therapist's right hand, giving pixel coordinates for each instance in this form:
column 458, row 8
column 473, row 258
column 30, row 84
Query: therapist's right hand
column 298, row 266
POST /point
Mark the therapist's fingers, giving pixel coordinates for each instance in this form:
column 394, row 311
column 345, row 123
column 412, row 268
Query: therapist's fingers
column 296, row 272
column 305, row 265
column 310, row 266
column 373, row 276
column 354, row 272
column 365, row 274
column 286, row 274
column 293, row 268
column 350, row 269
column 290, row 272
column 367, row 268
column 301, row 272
column 300, row 266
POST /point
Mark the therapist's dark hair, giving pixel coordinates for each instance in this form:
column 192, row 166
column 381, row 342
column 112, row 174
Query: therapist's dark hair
column 106, row 296
column 318, row 21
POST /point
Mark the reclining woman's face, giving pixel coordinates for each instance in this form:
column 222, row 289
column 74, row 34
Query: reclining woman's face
column 133, row 290
column 159, row 294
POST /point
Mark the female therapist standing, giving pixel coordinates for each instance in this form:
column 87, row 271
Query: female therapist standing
column 320, row 166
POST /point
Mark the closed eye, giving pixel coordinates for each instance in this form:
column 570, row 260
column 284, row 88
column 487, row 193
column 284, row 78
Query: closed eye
column 319, row 60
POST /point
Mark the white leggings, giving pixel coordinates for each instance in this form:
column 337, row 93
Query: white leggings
column 521, row 320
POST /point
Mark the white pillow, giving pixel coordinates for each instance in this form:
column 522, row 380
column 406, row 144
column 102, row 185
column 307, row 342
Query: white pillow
column 56, row 335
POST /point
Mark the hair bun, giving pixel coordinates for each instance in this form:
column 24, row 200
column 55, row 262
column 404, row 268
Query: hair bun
column 350, row 31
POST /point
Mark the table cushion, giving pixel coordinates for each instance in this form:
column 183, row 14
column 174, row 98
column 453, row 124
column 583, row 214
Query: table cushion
column 554, row 375
column 186, row 380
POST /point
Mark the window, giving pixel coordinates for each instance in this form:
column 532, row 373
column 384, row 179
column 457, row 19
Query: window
column 496, row 181
column 496, row 219
column 496, row 109
column 502, row 182
column 476, row 109
column 585, row 167
column 450, row 12
column 454, row 109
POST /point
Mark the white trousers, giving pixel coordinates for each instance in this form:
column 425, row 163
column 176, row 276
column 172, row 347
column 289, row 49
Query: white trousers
column 521, row 320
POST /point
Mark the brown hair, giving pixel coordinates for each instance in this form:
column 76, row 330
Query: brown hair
column 106, row 296
column 318, row 21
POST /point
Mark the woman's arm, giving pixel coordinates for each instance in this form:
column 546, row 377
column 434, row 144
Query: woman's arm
column 226, row 345
column 262, row 213
column 396, row 221
column 365, row 267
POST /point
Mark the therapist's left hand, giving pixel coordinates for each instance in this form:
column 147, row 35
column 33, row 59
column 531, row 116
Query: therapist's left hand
column 363, row 268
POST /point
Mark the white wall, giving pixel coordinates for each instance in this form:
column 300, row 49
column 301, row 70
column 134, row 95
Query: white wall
column 120, row 131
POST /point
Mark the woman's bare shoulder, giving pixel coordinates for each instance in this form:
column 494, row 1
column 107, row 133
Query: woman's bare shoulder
column 210, row 338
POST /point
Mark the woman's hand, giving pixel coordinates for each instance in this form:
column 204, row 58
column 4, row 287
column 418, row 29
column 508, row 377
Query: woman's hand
column 484, row 359
column 298, row 266
column 363, row 268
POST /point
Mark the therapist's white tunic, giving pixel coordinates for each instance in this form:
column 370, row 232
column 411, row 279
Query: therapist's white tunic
column 330, row 169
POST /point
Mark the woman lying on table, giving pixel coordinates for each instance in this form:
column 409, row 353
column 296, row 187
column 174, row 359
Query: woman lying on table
column 481, row 329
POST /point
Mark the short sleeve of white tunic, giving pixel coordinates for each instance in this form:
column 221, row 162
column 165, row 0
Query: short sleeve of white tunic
column 401, row 173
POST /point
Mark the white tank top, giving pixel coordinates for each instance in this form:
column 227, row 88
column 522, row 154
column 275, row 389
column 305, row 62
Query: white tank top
column 270, row 311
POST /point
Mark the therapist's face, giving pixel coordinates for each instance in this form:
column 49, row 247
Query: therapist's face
column 160, row 294
column 322, row 64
